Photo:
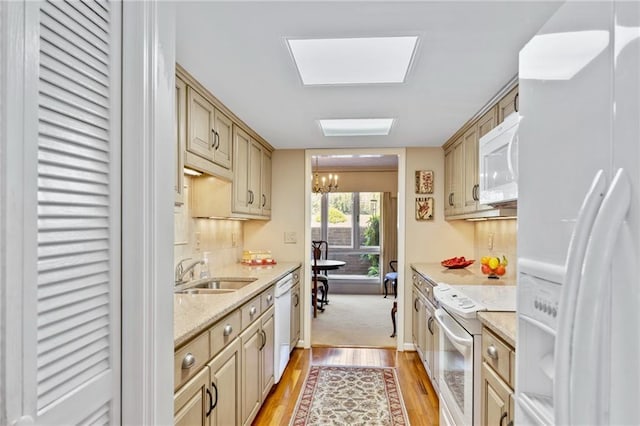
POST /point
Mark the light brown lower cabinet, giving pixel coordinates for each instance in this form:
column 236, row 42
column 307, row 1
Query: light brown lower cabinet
column 295, row 315
column 190, row 403
column 495, row 394
column 225, row 386
column 257, row 365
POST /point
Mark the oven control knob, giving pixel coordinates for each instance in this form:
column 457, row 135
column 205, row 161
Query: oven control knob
column 554, row 312
column 536, row 304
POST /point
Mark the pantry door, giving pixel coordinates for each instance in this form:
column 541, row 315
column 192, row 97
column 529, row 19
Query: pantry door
column 61, row 212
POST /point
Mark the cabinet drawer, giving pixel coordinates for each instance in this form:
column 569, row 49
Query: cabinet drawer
column 224, row 332
column 267, row 299
column 250, row 311
column 189, row 359
column 496, row 354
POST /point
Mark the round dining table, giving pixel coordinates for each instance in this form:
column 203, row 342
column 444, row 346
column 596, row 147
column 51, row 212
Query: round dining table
column 322, row 265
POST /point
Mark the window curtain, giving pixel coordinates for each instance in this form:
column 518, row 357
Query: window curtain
column 389, row 232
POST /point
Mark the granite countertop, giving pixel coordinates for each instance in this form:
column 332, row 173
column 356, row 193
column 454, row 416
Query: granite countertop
column 194, row 313
column 471, row 275
column 501, row 323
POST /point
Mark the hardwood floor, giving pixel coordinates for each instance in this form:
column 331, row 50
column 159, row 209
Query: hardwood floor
column 419, row 397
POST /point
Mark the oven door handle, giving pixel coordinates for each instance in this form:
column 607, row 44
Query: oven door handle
column 442, row 318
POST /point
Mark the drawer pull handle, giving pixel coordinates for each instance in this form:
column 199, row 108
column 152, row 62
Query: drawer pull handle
column 188, row 361
column 492, row 352
column 227, row 330
column 215, row 400
column 252, row 311
column 210, row 409
column 269, row 298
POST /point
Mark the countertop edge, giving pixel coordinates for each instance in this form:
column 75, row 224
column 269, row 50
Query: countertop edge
column 235, row 300
column 497, row 323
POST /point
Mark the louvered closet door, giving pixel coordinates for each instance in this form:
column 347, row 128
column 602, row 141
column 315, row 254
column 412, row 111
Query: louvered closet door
column 78, row 326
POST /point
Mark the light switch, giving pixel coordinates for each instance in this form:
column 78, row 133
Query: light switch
column 290, row 237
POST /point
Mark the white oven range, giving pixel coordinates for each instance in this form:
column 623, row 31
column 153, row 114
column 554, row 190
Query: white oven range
column 460, row 346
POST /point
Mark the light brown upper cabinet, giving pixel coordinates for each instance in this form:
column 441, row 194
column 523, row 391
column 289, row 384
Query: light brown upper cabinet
column 181, row 135
column 209, row 134
column 251, row 176
column 462, row 174
column 508, row 104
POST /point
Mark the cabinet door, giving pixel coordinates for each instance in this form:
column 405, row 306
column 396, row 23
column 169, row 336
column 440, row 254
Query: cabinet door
column 200, row 140
column 457, row 177
column 494, row 396
column 470, row 170
column 191, row 402
column 508, row 104
column 448, row 182
column 225, row 386
column 428, row 342
column 422, row 329
column 268, row 348
column 181, row 136
column 255, row 175
column 415, row 310
column 251, row 340
column 266, row 183
column 295, row 316
column 223, row 140
column 241, row 147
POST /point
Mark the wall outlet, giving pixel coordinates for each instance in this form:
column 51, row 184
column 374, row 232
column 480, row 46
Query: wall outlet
column 290, row 237
column 234, row 239
column 197, row 235
column 490, row 241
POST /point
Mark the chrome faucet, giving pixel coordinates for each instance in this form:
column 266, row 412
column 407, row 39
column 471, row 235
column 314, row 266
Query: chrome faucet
column 182, row 271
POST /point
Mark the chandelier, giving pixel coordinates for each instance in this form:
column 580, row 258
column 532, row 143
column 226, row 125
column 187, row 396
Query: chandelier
column 324, row 187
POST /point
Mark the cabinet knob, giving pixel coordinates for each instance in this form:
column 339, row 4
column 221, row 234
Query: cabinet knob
column 253, row 311
column 269, row 298
column 188, row 361
column 492, row 352
column 227, row 330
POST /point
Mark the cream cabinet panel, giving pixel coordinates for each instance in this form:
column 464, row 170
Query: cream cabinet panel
column 201, row 137
column 252, row 340
column 266, row 183
column 242, row 145
column 295, row 315
column 191, row 402
column 454, row 160
column 470, row 170
column 508, row 104
column 181, row 136
column 255, row 175
column 448, row 182
column 267, row 353
column 223, row 140
column 225, row 386
column 495, row 396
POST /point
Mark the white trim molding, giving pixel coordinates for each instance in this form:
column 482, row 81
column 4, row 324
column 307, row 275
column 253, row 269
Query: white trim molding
column 147, row 222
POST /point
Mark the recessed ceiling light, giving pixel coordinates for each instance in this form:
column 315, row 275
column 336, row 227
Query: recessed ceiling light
column 356, row 127
column 353, row 60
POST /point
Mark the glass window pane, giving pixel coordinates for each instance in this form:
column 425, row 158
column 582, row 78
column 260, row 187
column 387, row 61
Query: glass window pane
column 370, row 219
column 316, row 217
column 340, row 220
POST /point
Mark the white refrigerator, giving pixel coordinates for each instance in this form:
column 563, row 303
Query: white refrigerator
column 578, row 302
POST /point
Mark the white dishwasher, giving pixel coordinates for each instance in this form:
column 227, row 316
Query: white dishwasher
column 282, row 318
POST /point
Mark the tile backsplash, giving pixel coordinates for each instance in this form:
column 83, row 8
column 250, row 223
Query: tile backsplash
column 222, row 239
column 498, row 238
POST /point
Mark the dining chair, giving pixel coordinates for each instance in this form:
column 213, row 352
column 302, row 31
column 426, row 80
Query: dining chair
column 393, row 277
column 319, row 279
column 321, row 251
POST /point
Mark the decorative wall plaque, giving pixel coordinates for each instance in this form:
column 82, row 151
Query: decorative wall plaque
column 424, row 181
column 424, row 208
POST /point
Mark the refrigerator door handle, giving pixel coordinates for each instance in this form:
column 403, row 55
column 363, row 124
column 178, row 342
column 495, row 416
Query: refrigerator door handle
column 587, row 406
column 575, row 259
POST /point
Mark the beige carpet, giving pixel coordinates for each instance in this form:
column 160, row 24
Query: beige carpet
column 354, row 320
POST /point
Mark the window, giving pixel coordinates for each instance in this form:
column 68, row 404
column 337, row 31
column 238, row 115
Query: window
column 349, row 222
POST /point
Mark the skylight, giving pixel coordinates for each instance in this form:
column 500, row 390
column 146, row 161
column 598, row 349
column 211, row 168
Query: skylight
column 356, row 127
column 353, row 60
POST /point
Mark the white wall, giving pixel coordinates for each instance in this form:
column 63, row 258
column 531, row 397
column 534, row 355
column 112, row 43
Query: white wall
column 433, row 240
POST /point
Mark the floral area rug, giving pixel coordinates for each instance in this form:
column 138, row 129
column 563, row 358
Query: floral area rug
column 350, row 396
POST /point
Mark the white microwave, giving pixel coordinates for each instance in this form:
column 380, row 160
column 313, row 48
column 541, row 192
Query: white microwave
column 498, row 163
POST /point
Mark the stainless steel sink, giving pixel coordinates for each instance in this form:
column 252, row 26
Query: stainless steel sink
column 213, row 285
column 206, row 291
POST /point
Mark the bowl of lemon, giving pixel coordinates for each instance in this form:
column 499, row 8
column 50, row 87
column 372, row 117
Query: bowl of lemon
column 493, row 267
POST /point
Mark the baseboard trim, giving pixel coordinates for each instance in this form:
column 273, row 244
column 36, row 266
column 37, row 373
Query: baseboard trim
column 409, row 347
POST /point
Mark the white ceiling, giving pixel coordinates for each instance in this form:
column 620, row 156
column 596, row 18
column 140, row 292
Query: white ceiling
column 466, row 53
